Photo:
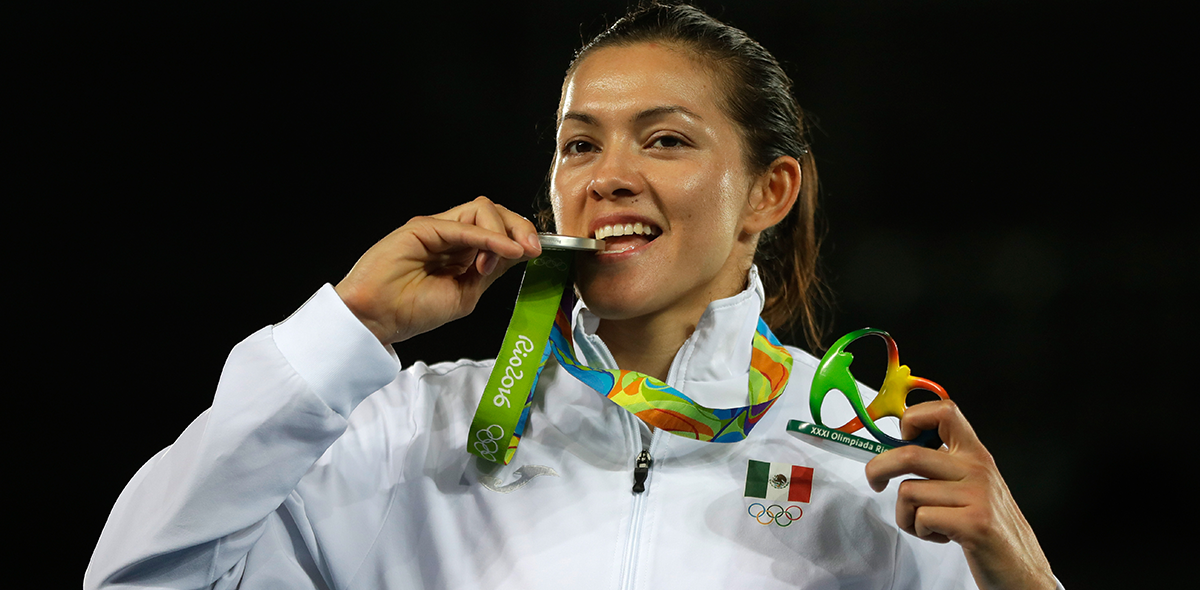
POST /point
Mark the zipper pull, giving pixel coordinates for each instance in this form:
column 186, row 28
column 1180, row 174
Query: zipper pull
column 641, row 468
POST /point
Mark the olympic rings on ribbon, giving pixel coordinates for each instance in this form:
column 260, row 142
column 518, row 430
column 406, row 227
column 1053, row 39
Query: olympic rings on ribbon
column 774, row 512
column 486, row 446
column 551, row 262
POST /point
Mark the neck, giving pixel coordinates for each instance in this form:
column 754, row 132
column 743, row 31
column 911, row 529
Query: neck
column 647, row 344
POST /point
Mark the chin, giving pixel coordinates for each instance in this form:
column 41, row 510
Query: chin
column 617, row 299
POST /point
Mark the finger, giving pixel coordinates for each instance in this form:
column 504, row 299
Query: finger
column 494, row 216
column 938, row 523
column 943, row 416
column 485, row 262
column 481, row 212
column 913, row 460
column 439, row 236
column 915, row 494
column 499, row 218
column 487, row 215
column 522, row 231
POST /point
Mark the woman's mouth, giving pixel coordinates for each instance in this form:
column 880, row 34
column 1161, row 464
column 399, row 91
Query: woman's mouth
column 623, row 237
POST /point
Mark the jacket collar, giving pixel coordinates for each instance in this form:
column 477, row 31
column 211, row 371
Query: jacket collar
column 713, row 365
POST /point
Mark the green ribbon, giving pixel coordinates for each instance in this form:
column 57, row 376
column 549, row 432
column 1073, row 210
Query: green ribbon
column 503, row 408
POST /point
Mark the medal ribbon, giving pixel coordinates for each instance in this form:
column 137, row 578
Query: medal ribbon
column 547, row 277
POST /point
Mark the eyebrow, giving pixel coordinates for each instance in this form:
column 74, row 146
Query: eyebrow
column 584, row 118
column 652, row 113
column 663, row 111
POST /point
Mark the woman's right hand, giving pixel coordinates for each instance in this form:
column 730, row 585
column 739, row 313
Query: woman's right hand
column 432, row 270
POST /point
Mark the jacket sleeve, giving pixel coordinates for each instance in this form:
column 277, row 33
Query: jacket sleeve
column 190, row 515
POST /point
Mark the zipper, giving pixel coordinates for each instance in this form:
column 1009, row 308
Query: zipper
column 641, row 468
column 641, row 473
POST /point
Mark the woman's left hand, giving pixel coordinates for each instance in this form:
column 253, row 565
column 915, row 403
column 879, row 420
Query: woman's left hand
column 963, row 499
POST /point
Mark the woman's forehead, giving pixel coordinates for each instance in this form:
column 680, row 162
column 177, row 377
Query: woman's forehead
column 616, row 81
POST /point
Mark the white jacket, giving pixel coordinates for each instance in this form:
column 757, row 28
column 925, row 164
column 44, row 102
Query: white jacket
column 321, row 465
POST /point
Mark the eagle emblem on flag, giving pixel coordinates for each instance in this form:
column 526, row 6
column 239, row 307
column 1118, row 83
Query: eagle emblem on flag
column 779, row 481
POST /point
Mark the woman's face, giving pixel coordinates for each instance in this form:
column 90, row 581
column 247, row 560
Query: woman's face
column 643, row 141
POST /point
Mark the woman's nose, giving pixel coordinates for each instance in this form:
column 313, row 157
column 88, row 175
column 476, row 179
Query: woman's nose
column 615, row 176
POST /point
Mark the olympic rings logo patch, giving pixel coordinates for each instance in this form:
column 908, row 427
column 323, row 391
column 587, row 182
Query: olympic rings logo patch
column 486, row 445
column 776, row 513
column 551, row 262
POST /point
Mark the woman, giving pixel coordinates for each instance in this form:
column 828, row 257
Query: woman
column 321, row 466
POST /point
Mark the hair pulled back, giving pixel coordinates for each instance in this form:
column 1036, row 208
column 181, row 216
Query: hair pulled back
column 757, row 97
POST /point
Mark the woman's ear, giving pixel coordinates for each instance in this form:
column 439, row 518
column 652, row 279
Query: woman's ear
column 772, row 195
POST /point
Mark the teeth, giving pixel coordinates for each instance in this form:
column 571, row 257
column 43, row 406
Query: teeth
column 628, row 229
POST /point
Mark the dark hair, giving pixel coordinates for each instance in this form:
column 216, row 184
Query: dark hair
column 758, row 98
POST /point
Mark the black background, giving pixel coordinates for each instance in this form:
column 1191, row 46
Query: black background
column 1002, row 190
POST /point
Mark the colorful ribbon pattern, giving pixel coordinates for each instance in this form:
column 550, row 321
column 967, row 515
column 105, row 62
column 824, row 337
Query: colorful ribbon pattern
column 651, row 400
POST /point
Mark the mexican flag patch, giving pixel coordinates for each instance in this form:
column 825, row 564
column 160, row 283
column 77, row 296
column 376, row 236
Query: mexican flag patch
column 778, row 482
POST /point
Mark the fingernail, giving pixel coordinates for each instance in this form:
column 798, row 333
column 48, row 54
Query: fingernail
column 534, row 243
column 489, row 262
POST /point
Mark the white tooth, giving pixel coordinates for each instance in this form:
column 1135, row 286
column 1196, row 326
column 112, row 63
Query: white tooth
column 637, row 228
column 629, row 229
column 602, row 233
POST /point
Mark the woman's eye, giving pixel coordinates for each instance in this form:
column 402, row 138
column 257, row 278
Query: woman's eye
column 579, row 147
column 667, row 141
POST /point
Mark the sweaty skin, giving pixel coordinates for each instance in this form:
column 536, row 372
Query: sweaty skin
column 642, row 139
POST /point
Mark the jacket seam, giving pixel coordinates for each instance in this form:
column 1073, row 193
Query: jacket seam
column 895, row 561
column 374, row 541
